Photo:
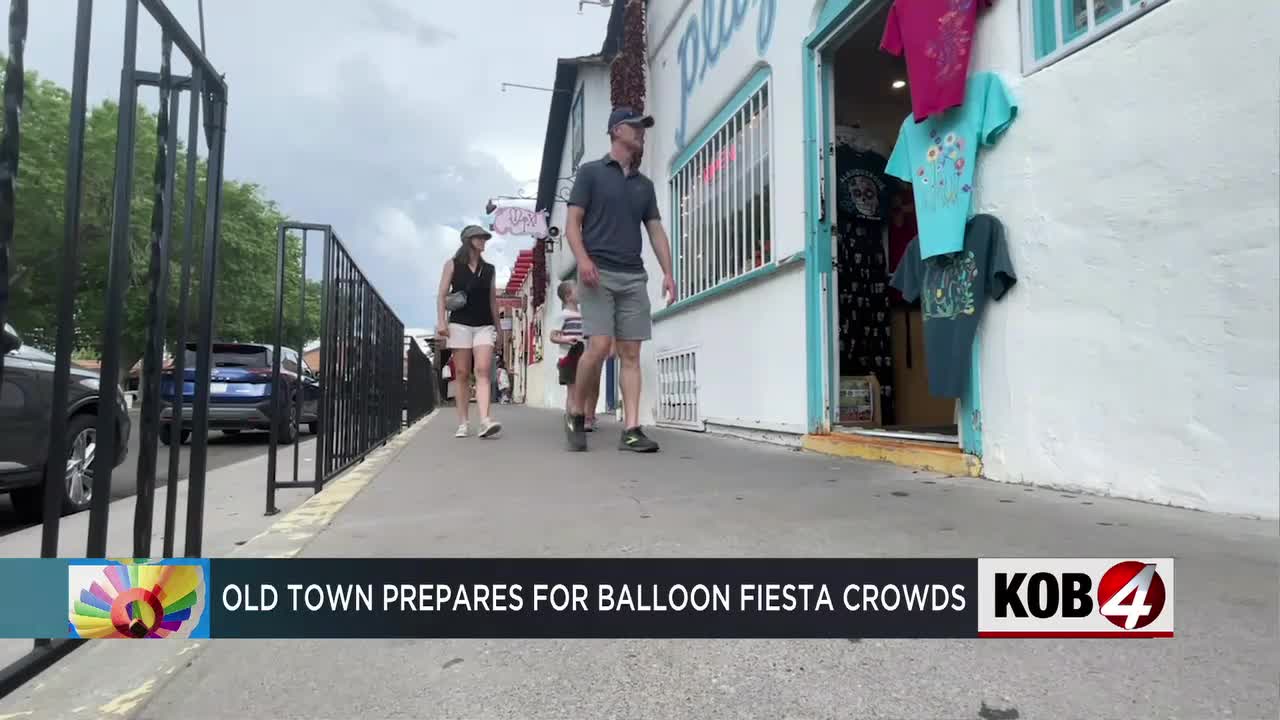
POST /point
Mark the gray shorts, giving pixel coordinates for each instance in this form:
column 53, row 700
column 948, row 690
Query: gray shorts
column 618, row 307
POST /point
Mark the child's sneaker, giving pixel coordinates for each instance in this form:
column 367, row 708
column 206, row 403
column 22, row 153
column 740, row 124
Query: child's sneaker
column 490, row 428
column 463, row 430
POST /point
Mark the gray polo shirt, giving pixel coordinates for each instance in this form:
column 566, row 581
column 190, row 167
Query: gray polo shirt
column 615, row 205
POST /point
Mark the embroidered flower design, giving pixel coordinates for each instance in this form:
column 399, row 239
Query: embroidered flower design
column 951, row 139
column 960, row 165
column 933, row 153
column 949, row 48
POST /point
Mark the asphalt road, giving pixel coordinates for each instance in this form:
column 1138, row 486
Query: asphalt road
column 223, row 450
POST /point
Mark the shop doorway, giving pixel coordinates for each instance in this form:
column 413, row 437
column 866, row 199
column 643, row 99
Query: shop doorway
column 876, row 339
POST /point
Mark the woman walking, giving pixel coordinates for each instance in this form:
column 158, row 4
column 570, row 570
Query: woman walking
column 467, row 306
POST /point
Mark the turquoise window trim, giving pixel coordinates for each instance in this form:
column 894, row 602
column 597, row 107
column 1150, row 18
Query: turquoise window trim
column 1044, row 29
column 758, row 78
column 751, row 278
column 754, row 82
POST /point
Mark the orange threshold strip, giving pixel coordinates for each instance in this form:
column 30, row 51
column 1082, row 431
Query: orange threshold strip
column 946, row 459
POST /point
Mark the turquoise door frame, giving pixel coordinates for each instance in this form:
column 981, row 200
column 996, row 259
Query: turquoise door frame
column 837, row 19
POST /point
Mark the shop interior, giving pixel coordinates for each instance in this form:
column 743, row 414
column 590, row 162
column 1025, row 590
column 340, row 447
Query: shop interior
column 879, row 338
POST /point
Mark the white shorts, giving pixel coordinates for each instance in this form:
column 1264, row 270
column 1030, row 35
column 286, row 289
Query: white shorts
column 465, row 337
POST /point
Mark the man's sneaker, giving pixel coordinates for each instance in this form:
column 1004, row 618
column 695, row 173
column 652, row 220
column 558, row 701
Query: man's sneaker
column 463, row 431
column 575, row 433
column 490, row 428
column 636, row 441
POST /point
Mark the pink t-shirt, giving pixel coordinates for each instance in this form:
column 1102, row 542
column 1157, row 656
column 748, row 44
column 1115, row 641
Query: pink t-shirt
column 936, row 36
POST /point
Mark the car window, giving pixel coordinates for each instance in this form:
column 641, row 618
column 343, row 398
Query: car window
column 243, row 357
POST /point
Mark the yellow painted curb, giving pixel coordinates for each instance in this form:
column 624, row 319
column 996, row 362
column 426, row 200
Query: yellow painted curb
column 923, row 456
column 298, row 526
column 285, row 539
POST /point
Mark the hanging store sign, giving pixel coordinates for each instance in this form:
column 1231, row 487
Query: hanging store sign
column 519, row 221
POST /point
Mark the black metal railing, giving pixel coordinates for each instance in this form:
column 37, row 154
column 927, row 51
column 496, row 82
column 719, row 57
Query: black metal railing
column 208, row 95
column 419, row 383
column 361, row 386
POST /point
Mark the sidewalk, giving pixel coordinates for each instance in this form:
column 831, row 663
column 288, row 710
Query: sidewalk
column 522, row 495
column 235, row 498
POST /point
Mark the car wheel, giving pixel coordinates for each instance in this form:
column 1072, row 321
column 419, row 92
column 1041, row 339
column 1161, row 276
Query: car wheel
column 166, row 435
column 288, row 432
column 82, row 446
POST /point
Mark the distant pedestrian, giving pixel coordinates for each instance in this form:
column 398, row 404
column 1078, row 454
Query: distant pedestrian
column 504, row 383
column 569, row 337
column 467, row 309
column 609, row 202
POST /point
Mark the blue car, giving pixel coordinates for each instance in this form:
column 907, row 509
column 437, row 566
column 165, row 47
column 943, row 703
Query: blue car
column 241, row 394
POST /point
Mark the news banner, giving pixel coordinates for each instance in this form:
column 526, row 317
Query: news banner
column 589, row 598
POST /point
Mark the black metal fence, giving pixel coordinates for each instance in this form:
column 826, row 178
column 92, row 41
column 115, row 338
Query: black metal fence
column 420, row 383
column 361, row 385
column 207, row 93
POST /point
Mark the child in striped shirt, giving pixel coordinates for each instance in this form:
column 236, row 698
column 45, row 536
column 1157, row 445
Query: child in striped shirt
column 569, row 337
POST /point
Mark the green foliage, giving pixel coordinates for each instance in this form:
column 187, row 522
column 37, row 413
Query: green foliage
column 246, row 273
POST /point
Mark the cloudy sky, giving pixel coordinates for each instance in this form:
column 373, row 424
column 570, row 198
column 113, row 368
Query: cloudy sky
column 384, row 118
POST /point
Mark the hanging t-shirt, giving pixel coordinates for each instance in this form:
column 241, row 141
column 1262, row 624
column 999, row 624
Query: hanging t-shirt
column 902, row 230
column 938, row 158
column 952, row 290
column 862, row 193
column 936, row 36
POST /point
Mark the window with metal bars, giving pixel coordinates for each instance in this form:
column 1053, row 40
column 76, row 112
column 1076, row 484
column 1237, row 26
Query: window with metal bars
column 1053, row 29
column 721, row 193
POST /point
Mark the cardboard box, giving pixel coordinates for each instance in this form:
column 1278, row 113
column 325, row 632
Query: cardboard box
column 860, row 401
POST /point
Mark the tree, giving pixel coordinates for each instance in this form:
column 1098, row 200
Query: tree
column 246, row 275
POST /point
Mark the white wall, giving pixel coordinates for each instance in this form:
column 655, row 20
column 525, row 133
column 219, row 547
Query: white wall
column 593, row 80
column 1139, row 354
column 751, row 362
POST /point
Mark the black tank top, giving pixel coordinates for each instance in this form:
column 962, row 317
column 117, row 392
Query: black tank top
column 478, row 312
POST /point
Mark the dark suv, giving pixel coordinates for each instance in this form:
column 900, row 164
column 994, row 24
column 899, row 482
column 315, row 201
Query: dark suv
column 240, row 395
column 26, row 403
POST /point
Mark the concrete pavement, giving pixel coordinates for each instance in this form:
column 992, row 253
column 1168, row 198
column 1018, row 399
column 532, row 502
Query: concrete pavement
column 224, row 450
column 235, row 499
column 522, row 495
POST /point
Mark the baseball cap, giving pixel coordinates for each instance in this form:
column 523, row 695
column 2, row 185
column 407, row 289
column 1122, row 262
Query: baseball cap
column 629, row 116
column 471, row 231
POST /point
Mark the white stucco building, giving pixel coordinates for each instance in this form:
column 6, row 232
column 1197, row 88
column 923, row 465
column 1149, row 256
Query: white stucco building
column 1138, row 355
column 576, row 133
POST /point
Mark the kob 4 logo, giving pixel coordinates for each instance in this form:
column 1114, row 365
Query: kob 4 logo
column 1075, row 597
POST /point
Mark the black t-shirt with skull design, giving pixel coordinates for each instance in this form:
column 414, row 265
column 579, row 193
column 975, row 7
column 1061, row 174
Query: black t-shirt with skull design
column 862, row 190
column 863, row 193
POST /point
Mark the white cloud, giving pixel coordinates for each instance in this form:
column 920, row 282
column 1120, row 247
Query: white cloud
column 368, row 116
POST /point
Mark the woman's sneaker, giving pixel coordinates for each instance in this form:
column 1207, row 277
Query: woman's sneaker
column 490, row 428
column 589, row 424
column 463, row 430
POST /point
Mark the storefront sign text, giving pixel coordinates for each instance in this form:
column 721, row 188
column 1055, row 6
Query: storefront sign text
column 709, row 34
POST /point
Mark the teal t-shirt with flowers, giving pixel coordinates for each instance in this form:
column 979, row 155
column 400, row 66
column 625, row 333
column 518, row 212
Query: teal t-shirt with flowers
column 938, row 157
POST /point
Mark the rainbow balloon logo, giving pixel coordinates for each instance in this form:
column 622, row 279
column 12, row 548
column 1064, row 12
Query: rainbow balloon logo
column 135, row 599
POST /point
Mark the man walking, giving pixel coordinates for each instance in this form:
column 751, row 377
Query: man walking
column 610, row 200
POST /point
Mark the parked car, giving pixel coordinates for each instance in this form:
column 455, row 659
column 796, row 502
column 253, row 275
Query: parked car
column 26, row 407
column 240, row 392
